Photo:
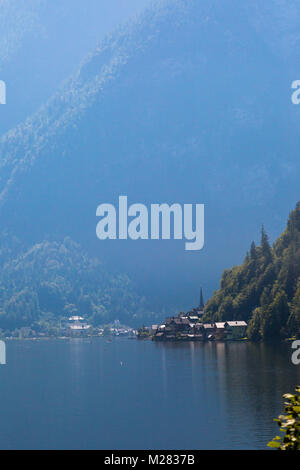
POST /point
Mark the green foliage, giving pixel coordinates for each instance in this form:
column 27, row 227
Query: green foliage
column 143, row 333
column 265, row 289
column 253, row 331
column 294, row 320
column 52, row 281
column 289, row 424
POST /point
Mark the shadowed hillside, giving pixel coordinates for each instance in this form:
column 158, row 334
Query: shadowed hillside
column 44, row 41
column 52, row 281
column 189, row 103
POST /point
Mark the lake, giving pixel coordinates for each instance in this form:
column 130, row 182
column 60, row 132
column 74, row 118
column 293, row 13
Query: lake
column 130, row 394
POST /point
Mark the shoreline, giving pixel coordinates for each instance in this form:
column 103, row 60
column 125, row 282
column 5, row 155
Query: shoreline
column 109, row 339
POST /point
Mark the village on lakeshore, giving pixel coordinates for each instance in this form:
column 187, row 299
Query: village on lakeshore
column 75, row 326
column 190, row 327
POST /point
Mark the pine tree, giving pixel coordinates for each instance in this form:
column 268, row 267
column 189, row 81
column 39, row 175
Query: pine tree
column 253, row 251
column 294, row 319
column 253, row 330
column 265, row 245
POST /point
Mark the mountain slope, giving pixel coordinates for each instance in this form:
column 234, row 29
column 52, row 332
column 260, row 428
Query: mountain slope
column 44, row 41
column 187, row 104
column 52, row 280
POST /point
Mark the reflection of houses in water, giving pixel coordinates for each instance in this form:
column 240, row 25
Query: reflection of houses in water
column 78, row 325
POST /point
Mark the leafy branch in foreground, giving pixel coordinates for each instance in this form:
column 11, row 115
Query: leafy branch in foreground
column 289, row 424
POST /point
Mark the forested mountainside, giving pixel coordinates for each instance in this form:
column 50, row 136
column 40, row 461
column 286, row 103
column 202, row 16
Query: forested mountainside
column 51, row 281
column 265, row 289
column 185, row 104
column 43, row 42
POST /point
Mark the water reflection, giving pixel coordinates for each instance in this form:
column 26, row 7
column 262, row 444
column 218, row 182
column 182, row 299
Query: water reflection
column 245, row 381
column 76, row 394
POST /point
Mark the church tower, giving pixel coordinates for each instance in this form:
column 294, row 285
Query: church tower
column 201, row 305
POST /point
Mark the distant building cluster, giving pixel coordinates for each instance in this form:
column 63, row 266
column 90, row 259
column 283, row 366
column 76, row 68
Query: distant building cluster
column 76, row 323
column 190, row 327
column 78, row 327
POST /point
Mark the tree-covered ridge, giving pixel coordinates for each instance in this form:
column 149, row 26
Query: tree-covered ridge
column 265, row 289
column 51, row 281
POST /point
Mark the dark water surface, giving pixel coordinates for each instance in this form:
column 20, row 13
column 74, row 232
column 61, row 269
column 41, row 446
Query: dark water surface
column 128, row 394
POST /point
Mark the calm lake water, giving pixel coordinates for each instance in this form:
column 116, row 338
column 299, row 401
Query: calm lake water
column 128, row 394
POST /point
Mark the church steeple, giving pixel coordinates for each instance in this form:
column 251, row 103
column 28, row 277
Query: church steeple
column 201, row 305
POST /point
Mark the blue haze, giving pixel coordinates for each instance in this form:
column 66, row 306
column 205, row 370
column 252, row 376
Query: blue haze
column 190, row 102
